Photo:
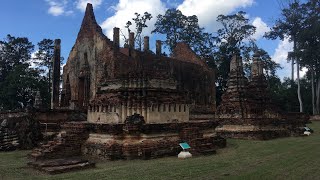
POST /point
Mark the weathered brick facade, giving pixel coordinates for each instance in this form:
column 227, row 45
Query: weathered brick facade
column 172, row 99
column 102, row 75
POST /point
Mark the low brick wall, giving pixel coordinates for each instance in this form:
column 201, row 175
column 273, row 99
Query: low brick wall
column 26, row 128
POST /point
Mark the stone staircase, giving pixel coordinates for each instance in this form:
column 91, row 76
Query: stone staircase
column 47, row 151
column 62, row 154
column 67, row 143
column 8, row 140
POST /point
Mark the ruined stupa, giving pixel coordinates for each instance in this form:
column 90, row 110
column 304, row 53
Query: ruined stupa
column 246, row 110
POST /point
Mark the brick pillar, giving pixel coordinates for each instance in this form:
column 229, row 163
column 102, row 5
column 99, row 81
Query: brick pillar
column 56, row 75
column 131, row 40
column 116, row 40
column 146, row 44
column 158, row 47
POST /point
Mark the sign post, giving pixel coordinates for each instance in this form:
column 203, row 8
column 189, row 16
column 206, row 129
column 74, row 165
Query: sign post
column 184, row 153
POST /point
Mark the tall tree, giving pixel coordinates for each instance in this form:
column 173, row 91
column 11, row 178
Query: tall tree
column 18, row 81
column 308, row 47
column 180, row 28
column 289, row 25
column 235, row 29
column 44, row 61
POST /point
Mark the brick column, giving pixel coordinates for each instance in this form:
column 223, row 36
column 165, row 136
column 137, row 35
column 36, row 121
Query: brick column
column 56, row 75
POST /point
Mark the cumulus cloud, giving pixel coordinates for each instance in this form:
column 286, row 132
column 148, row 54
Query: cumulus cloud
column 66, row 7
column 280, row 56
column 124, row 11
column 82, row 4
column 56, row 10
column 261, row 28
column 207, row 11
column 58, row 7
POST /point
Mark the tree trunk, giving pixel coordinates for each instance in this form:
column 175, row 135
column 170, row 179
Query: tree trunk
column 292, row 69
column 299, row 91
column 49, row 82
column 298, row 75
column 314, row 111
column 318, row 97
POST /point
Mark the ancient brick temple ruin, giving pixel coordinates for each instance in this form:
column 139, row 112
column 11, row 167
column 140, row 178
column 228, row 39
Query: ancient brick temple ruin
column 246, row 110
column 139, row 104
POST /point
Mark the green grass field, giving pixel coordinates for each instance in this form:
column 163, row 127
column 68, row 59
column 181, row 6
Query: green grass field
column 285, row 158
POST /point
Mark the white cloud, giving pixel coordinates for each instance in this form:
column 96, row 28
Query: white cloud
column 303, row 71
column 282, row 50
column 261, row 28
column 56, row 10
column 58, row 7
column 82, row 4
column 208, row 11
column 280, row 56
column 124, row 11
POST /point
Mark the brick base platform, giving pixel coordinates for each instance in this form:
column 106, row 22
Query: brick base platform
column 123, row 141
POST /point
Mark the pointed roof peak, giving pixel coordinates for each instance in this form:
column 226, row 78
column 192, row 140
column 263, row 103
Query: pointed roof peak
column 89, row 18
column 89, row 10
column 89, row 24
column 89, row 6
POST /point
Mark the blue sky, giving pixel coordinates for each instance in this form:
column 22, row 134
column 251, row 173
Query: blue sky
column 53, row 19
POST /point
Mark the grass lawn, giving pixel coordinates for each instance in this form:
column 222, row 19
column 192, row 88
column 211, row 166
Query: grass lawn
column 285, row 158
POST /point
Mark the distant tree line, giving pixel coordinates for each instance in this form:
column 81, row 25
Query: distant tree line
column 21, row 75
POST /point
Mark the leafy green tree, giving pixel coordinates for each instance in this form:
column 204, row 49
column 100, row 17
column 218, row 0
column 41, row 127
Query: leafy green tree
column 308, row 47
column 44, row 57
column 289, row 25
column 14, row 51
column 18, row 82
column 283, row 94
column 235, row 29
column 180, row 28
